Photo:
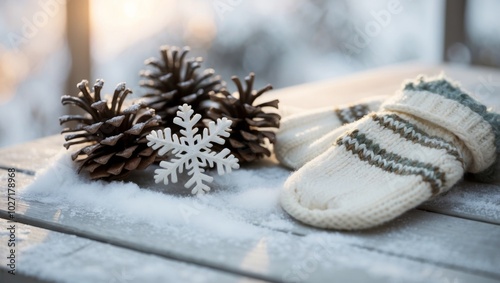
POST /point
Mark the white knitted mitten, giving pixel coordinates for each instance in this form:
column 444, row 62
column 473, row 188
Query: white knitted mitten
column 299, row 131
column 418, row 145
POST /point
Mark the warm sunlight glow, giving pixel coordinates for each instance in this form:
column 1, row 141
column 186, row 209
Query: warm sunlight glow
column 200, row 30
column 117, row 25
column 256, row 260
column 130, row 8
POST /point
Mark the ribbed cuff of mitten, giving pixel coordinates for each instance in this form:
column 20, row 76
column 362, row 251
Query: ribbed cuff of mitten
column 445, row 104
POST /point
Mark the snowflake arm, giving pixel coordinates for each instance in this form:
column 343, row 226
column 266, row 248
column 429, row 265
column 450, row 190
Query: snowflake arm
column 198, row 177
column 171, row 168
column 215, row 132
column 185, row 121
column 223, row 162
column 192, row 151
column 165, row 141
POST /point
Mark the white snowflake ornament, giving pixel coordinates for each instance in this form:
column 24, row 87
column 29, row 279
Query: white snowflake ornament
column 192, row 151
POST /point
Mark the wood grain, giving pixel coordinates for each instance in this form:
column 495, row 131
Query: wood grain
column 52, row 256
column 413, row 245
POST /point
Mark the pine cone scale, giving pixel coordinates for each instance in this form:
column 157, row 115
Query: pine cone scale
column 248, row 136
column 145, row 162
column 259, row 149
column 136, row 129
column 132, row 164
column 68, row 118
column 104, row 159
column 272, row 103
column 236, row 144
column 116, row 168
column 112, row 140
column 116, row 121
column 127, row 153
column 89, row 167
column 146, row 152
column 92, row 129
column 99, row 105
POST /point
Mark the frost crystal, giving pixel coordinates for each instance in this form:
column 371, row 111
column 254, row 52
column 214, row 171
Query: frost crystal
column 192, row 151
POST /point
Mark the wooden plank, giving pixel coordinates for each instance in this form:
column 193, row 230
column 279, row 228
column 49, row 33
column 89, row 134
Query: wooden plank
column 481, row 82
column 469, row 200
column 5, row 277
column 433, row 238
column 348, row 89
column 31, row 156
column 279, row 257
column 46, row 256
column 407, row 246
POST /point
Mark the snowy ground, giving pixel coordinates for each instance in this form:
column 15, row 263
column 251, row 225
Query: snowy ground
column 242, row 211
column 236, row 201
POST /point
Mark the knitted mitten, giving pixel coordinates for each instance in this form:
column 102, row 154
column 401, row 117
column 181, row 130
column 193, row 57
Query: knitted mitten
column 418, row 145
column 299, row 131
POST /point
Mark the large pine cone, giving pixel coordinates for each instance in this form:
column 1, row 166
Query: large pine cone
column 174, row 80
column 114, row 140
column 252, row 125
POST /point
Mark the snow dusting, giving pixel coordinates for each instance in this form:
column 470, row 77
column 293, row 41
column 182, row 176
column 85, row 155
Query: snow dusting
column 60, row 185
column 239, row 223
column 470, row 198
column 67, row 258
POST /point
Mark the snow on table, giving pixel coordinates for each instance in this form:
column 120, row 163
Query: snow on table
column 54, row 256
column 238, row 232
column 241, row 226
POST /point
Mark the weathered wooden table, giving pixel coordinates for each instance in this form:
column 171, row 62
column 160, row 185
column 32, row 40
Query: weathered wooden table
column 453, row 238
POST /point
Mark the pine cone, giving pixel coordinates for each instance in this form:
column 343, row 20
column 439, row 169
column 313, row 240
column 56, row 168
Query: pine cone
column 251, row 124
column 175, row 81
column 115, row 139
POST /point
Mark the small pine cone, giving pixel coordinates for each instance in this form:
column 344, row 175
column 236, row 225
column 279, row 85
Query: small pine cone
column 174, row 81
column 114, row 140
column 251, row 124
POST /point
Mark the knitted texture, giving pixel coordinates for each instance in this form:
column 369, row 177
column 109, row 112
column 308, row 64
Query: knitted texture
column 453, row 91
column 417, row 146
column 296, row 141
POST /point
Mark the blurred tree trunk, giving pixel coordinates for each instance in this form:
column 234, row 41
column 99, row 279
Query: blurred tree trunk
column 78, row 34
column 454, row 26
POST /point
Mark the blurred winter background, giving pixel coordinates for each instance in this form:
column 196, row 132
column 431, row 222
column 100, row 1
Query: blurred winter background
column 47, row 46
